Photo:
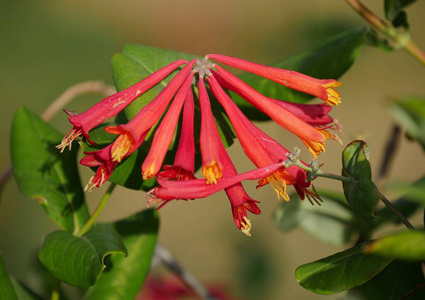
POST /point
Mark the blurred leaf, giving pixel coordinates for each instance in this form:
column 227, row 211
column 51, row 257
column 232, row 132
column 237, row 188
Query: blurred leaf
column 372, row 38
column 22, row 292
column 125, row 276
column 408, row 245
column 410, row 115
column 361, row 194
column 6, row 289
column 414, row 192
column 332, row 222
column 395, row 281
column 79, row 261
column 45, row 174
column 329, row 60
column 395, row 13
column 341, row 271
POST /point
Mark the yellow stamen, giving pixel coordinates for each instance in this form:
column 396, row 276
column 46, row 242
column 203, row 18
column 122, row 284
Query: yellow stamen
column 246, row 226
column 68, row 139
column 212, row 173
column 277, row 182
column 149, row 173
column 122, row 146
column 333, row 96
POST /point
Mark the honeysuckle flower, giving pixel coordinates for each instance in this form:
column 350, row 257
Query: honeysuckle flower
column 313, row 138
column 165, row 131
column 102, row 160
column 198, row 188
column 209, row 141
column 132, row 134
column 184, row 160
column 112, row 105
column 321, row 88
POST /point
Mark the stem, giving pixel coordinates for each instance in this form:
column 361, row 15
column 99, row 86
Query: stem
column 320, row 173
column 395, row 211
column 167, row 258
column 401, row 39
column 413, row 291
column 55, row 295
column 390, row 149
column 88, row 225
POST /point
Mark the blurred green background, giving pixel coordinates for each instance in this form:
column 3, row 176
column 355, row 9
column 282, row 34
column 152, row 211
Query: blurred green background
column 47, row 46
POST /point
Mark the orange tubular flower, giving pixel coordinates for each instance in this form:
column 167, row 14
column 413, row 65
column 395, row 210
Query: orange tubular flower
column 165, row 131
column 312, row 137
column 212, row 166
column 184, row 161
column 321, row 88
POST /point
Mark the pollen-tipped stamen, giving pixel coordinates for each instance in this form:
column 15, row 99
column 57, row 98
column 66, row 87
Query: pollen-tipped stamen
column 69, row 138
column 246, row 226
column 334, row 97
column 122, row 146
column 277, row 183
column 212, row 173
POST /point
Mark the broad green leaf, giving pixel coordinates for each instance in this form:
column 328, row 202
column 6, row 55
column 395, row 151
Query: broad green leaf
column 137, row 62
column 341, row 271
column 332, row 222
column 409, row 113
column 395, row 13
column 45, row 174
column 395, row 281
column 329, row 60
column 6, row 288
column 361, row 193
column 408, row 245
column 414, row 192
column 79, row 261
column 125, row 276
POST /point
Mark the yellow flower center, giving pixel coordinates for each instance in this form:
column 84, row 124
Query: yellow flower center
column 212, row 173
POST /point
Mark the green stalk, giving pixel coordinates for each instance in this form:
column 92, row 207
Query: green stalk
column 97, row 211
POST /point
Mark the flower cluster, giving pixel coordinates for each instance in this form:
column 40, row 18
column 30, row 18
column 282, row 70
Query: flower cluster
column 310, row 122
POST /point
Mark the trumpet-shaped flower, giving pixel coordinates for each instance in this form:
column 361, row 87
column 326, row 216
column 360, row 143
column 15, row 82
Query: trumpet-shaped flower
column 112, row 105
column 321, row 88
column 184, row 161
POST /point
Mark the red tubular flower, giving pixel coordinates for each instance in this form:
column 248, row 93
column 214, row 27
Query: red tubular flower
column 240, row 202
column 165, row 131
column 197, row 188
column 112, row 105
column 132, row 134
column 102, row 160
column 312, row 137
column 321, row 88
column 184, row 161
column 209, row 141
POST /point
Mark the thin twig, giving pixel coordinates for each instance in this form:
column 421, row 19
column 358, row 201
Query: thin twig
column 401, row 39
column 396, row 212
column 88, row 87
column 413, row 291
column 390, row 150
column 166, row 257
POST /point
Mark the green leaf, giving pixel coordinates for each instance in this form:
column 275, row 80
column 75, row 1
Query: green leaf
column 45, row 174
column 408, row 245
column 329, row 60
column 395, row 281
column 361, row 193
column 79, row 261
column 125, row 275
column 414, row 192
column 395, row 13
column 409, row 113
column 341, row 271
column 332, row 222
column 6, row 289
